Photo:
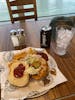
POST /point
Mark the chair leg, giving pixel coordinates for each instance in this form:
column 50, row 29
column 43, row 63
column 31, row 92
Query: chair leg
column 36, row 19
column 12, row 21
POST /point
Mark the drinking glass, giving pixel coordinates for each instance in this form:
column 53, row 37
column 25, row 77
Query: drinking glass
column 61, row 39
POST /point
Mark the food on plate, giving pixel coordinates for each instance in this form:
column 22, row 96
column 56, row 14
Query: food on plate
column 53, row 71
column 31, row 51
column 17, row 75
column 42, row 73
column 22, row 54
column 38, row 66
column 29, row 64
column 19, row 55
column 11, row 62
column 43, row 55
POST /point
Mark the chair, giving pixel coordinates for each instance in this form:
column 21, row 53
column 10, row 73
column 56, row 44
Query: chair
column 21, row 10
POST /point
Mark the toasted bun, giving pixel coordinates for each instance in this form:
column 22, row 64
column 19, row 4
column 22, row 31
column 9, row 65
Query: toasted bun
column 22, row 81
column 43, row 72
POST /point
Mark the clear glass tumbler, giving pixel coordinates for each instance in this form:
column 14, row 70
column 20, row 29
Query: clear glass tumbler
column 61, row 39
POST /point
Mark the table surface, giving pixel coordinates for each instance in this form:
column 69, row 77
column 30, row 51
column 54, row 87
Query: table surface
column 65, row 63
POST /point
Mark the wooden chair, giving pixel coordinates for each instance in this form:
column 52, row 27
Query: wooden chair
column 21, row 10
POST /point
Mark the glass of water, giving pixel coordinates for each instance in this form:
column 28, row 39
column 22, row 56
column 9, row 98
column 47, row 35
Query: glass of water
column 62, row 39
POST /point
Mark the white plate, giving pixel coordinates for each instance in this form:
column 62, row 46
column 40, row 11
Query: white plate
column 30, row 91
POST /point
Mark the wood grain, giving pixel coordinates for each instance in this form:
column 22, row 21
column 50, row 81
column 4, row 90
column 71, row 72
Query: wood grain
column 10, row 11
column 23, row 17
column 20, row 4
column 22, row 10
column 65, row 63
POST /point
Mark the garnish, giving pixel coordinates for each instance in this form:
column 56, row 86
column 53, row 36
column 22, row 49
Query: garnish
column 18, row 71
column 43, row 55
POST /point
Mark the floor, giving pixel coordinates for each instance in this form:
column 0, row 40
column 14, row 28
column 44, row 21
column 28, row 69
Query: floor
column 44, row 8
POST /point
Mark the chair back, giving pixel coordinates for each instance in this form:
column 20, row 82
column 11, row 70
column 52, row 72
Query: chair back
column 21, row 11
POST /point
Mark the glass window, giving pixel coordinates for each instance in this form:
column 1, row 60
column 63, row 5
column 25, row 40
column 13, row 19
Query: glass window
column 55, row 7
column 4, row 14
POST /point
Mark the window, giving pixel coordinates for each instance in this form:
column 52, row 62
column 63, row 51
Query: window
column 44, row 8
column 55, row 7
column 4, row 14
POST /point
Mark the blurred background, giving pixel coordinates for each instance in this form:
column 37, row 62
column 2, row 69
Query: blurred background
column 44, row 8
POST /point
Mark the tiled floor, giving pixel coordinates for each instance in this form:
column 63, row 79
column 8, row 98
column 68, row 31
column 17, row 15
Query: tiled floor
column 44, row 8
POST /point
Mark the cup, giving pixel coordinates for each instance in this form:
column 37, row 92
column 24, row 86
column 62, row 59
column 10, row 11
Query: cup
column 62, row 40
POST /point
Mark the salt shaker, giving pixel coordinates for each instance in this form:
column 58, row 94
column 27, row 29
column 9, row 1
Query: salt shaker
column 14, row 38
column 18, row 38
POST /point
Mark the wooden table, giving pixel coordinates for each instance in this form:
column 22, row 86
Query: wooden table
column 64, row 91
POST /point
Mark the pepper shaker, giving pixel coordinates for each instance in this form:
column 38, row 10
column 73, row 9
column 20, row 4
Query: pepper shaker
column 45, row 37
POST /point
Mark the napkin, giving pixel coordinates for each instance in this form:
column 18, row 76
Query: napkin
column 34, row 88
